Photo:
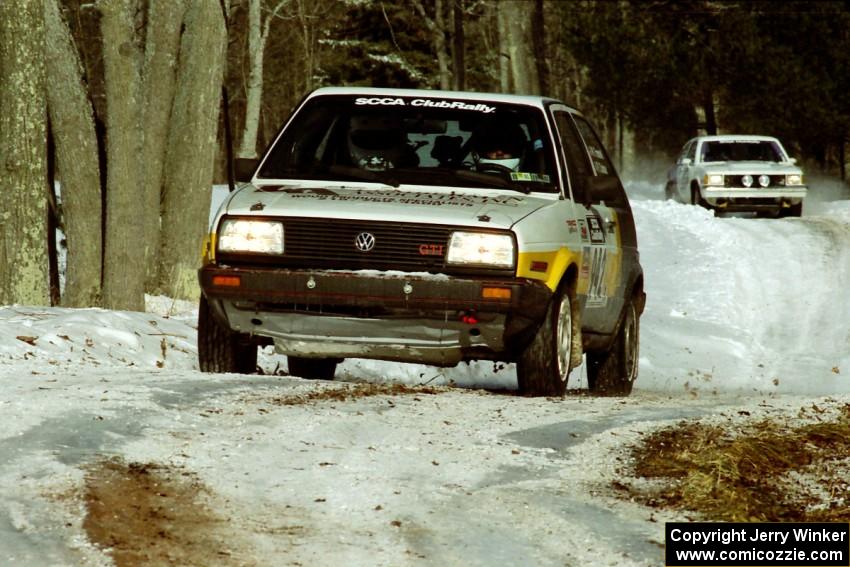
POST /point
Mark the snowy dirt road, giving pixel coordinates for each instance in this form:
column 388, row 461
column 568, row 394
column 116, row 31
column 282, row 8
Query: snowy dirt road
column 402, row 464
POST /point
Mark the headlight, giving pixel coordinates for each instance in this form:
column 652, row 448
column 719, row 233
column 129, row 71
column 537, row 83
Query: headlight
column 257, row 236
column 794, row 179
column 481, row 249
column 712, row 179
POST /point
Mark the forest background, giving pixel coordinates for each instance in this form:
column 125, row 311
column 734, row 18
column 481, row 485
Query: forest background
column 130, row 105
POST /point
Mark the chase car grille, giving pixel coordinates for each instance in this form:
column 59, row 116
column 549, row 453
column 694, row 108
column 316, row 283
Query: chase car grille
column 735, row 181
column 333, row 244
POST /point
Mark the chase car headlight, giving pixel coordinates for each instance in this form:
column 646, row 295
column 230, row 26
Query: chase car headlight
column 254, row 236
column 712, row 179
column 794, row 179
column 482, row 249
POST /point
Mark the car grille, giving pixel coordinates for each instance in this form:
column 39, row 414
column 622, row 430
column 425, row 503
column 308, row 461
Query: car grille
column 331, row 244
column 735, row 181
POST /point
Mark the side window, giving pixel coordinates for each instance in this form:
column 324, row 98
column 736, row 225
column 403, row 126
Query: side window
column 685, row 153
column 578, row 168
column 601, row 163
column 692, row 151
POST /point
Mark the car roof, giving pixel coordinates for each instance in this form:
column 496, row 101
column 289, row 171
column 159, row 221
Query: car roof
column 733, row 137
column 529, row 100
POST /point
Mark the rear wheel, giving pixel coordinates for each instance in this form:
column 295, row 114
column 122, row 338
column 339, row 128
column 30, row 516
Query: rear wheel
column 669, row 191
column 219, row 348
column 613, row 372
column 312, row 368
column 544, row 365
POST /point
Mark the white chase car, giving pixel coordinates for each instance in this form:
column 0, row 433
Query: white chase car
column 430, row 227
column 737, row 173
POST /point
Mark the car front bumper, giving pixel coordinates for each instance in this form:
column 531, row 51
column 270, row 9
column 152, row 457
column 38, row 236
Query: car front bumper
column 432, row 319
column 743, row 198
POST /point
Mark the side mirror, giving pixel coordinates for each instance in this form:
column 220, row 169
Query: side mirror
column 243, row 168
column 605, row 188
column 792, row 161
column 685, row 161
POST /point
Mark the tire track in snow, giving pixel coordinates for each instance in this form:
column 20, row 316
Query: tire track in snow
column 744, row 304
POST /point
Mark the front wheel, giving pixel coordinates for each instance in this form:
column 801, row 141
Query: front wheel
column 312, row 368
column 219, row 348
column 544, row 365
column 697, row 200
column 792, row 211
column 613, row 372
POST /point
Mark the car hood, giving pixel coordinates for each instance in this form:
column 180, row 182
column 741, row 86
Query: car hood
column 742, row 167
column 492, row 208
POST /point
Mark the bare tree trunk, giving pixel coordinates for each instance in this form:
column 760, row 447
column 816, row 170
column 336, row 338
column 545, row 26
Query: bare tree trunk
column 72, row 121
column 258, row 34
column 519, row 44
column 124, row 269
column 162, row 47
column 710, row 116
column 192, row 148
column 437, row 27
column 538, row 44
column 458, row 46
column 308, row 20
column 254, row 94
column 23, row 155
column 505, row 82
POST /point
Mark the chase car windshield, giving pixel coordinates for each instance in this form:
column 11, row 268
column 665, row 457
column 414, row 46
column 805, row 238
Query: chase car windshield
column 741, row 150
column 415, row 140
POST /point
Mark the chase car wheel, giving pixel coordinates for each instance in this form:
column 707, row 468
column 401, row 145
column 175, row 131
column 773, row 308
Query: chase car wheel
column 696, row 199
column 220, row 349
column 792, row 211
column 312, row 368
column 613, row 372
column 544, row 365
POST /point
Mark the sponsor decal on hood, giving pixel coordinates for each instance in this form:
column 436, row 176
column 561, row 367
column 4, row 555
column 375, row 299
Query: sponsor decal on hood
column 497, row 209
column 435, row 199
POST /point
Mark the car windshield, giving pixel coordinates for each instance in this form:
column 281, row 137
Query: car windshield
column 415, row 140
column 741, row 150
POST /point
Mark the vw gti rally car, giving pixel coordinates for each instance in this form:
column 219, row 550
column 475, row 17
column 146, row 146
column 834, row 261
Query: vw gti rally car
column 430, row 227
column 737, row 173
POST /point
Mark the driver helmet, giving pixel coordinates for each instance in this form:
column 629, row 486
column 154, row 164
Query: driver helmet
column 499, row 141
column 376, row 143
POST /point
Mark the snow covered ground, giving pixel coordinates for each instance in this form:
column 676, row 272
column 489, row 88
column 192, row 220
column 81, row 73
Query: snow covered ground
column 742, row 313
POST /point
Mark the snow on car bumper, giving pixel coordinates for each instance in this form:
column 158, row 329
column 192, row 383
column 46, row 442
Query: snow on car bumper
column 432, row 319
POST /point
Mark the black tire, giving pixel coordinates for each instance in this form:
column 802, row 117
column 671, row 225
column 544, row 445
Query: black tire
column 697, row 200
column 668, row 191
column 312, row 368
column 613, row 372
column 792, row 211
column 220, row 349
column 544, row 366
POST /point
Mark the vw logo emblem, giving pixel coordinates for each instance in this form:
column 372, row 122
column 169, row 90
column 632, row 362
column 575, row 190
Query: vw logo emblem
column 364, row 241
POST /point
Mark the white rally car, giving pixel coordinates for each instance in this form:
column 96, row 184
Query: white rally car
column 431, row 227
column 737, row 173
